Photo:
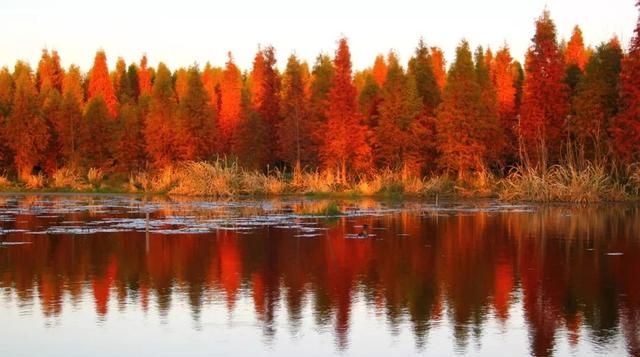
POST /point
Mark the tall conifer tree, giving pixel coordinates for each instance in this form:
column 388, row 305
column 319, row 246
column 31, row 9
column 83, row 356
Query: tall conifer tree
column 344, row 143
column 545, row 102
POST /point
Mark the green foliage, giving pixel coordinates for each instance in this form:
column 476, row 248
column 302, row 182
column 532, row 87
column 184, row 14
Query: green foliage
column 97, row 123
column 596, row 102
column 399, row 144
column 251, row 140
column 130, row 142
column 458, row 123
column 294, row 130
column 161, row 131
column 421, row 69
column 6, row 92
column 197, row 120
column 369, row 99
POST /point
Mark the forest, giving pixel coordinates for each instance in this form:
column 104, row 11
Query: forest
column 563, row 125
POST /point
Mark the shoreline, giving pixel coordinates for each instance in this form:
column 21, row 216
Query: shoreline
column 443, row 199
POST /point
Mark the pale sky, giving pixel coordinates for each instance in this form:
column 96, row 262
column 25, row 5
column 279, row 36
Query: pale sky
column 180, row 33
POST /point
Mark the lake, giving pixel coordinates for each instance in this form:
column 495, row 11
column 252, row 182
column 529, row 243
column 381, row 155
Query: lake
column 123, row 275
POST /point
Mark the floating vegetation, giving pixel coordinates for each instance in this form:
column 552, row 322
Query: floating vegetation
column 89, row 215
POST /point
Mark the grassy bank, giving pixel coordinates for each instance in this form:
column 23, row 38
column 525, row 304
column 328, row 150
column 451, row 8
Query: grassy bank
column 559, row 183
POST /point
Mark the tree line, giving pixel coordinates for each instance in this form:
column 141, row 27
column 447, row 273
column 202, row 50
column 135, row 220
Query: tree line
column 486, row 112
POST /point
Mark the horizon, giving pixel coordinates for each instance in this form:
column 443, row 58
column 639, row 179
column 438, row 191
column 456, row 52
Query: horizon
column 39, row 27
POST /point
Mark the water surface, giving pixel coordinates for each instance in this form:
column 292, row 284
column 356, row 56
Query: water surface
column 127, row 275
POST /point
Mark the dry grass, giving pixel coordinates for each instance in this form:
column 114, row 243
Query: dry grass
column 34, row 182
column 438, row 185
column 579, row 183
column 95, row 177
column 161, row 181
column 591, row 183
column 389, row 182
column 140, row 181
column 67, row 178
column 315, row 182
column 4, row 181
column 481, row 184
column 369, row 187
column 384, row 182
column 207, row 179
column 254, row 182
column 633, row 173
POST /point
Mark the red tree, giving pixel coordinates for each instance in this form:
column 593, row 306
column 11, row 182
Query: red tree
column 439, row 66
column 49, row 81
column 100, row 84
column 504, row 82
column 626, row 127
column 379, row 70
column 144, row 77
column 230, row 104
column 6, row 97
column 256, row 80
column 182, row 81
column 545, row 103
column 345, row 137
column 26, row 131
column 576, row 54
column 50, row 74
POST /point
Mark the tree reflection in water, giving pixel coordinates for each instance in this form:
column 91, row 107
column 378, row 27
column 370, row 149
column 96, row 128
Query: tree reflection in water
column 462, row 269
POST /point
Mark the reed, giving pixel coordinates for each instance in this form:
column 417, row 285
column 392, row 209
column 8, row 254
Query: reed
column 66, row 178
column 258, row 183
column 586, row 183
column 4, row 181
column 633, row 173
column 215, row 178
column 315, row 182
column 161, row 181
column 95, row 177
column 34, row 182
column 577, row 181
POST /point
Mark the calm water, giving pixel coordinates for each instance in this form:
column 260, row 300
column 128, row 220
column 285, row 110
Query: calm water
column 125, row 275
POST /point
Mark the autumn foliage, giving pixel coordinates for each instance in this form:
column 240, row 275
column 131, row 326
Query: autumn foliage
column 545, row 103
column 626, row 128
column 481, row 113
column 100, row 84
column 230, row 108
column 344, row 143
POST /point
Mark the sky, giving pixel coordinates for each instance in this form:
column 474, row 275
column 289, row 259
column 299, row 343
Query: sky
column 181, row 33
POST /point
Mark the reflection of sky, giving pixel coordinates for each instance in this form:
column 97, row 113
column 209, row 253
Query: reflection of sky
column 77, row 331
column 181, row 32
